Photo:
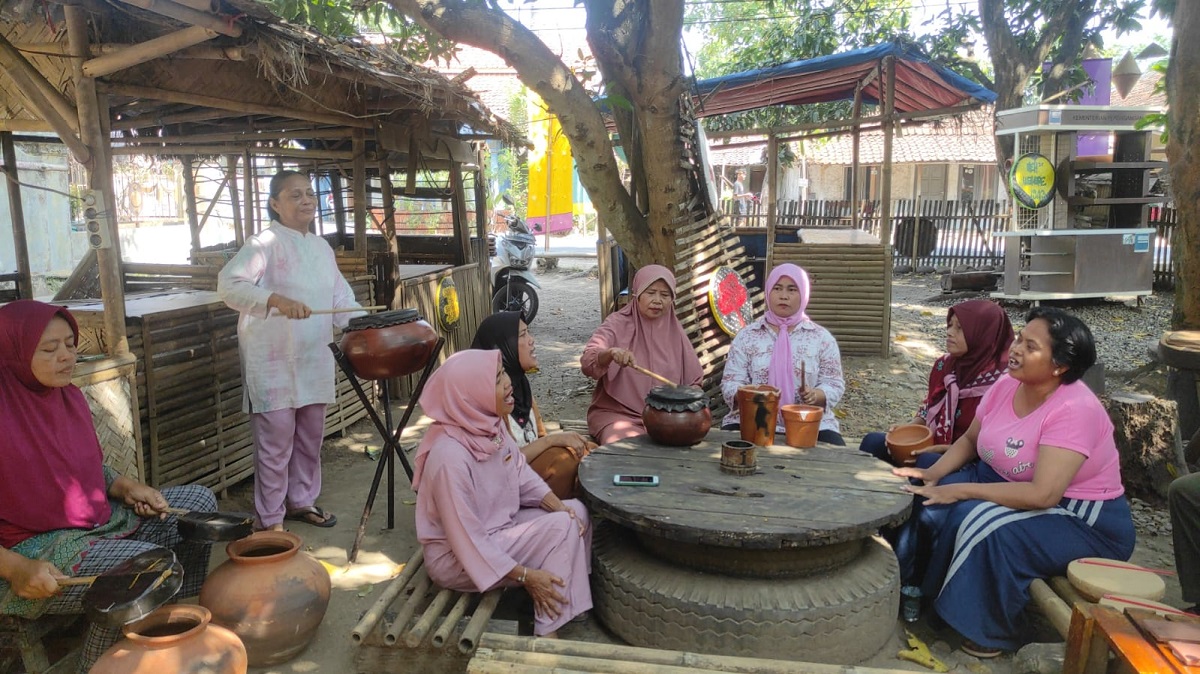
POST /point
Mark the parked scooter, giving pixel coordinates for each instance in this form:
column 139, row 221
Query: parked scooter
column 512, row 281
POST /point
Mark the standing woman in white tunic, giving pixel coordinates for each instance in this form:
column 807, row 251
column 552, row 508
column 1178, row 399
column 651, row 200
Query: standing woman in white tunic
column 275, row 281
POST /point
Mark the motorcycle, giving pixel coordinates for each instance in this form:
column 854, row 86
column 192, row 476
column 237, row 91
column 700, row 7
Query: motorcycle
column 512, row 281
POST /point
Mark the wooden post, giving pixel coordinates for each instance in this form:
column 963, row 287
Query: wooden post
column 885, row 192
column 772, row 199
column 44, row 99
column 481, row 209
column 231, row 163
column 359, row 149
column 20, row 242
column 189, row 206
column 856, row 146
column 458, row 209
column 248, row 192
column 339, row 207
column 99, row 178
column 389, row 202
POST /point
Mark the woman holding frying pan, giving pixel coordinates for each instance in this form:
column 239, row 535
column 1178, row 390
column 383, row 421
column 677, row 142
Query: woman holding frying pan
column 62, row 512
column 286, row 272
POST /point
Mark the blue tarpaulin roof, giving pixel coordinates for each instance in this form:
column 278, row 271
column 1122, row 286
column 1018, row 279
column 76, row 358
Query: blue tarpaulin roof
column 921, row 84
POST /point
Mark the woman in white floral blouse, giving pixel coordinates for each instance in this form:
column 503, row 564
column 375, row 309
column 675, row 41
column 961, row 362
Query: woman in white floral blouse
column 787, row 350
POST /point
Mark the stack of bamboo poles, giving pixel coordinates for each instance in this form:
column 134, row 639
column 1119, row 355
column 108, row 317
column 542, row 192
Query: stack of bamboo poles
column 434, row 627
column 848, row 294
column 141, row 277
column 503, row 653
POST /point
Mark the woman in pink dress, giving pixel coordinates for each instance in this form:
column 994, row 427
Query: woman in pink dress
column 644, row 332
column 485, row 518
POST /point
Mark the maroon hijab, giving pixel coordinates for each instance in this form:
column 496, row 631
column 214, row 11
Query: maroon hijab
column 988, row 334
column 51, row 473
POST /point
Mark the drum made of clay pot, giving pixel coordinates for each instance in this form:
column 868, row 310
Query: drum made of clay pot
column 391, row 344
column 905, row 439
column 758, row 408
column 178, row 639
column 801, row 424
column 270, row 594
column 1094, row 577
column 676, row 415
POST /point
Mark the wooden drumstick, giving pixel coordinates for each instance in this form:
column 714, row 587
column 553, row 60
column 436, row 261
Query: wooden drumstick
column 342, row 310
column 648, row 373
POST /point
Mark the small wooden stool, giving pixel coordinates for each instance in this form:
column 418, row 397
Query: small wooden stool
column 1097, row 630
column 25, row 636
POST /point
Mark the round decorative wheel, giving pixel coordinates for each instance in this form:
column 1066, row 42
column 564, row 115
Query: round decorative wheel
column 729, row 300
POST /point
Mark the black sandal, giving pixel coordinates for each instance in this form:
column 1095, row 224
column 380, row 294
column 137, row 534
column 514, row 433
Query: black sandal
column 314, row 515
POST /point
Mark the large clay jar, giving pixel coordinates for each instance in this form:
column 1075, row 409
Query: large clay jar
column 178, row 639
column 676, row 415
column 758, row 407
column 390, row 344
column 270, row 594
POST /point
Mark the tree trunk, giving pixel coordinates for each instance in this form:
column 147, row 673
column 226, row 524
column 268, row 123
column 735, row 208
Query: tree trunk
column 1147, row 436
column 1183, row 153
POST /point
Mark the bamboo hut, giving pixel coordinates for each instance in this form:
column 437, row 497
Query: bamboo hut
column 227, row 83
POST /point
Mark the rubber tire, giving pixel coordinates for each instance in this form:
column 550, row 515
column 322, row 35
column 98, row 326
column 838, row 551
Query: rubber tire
column 516, row 288
column 749, row 563
column 841, row 617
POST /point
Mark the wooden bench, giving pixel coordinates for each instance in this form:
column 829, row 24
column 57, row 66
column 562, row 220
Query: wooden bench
column 23, row 638
column 1098, row 630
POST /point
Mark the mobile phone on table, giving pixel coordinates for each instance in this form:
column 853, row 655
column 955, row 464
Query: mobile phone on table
column 635, row 480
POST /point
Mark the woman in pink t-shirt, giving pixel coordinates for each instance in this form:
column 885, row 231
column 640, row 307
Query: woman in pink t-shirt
column 1046, row 490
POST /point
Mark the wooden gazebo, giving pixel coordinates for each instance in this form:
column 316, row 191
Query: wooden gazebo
column 228, row 82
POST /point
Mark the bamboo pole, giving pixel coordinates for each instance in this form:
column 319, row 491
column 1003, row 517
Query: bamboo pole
column 154, row 121
column 855, row 158
column 231, row 163
column 339, row 207
column 359, row 176
column 207, row 53
column 456, row 613
column 25, row 125
column 772, row 179
column 421, row 585
column 458, row 209
column 212, row 204
column 246, row 137
column 92, row 132
column 619, row 655
column 885, row 184
column 147, row 51
column 248, row 192
column 479, row 620
column 44, row 100
column 214, row 22
column 417, row 634
column 188, row 98
column 373, row 615
column 170, row 150
column 1051, row 605
column 17, row 214
column 189, row 206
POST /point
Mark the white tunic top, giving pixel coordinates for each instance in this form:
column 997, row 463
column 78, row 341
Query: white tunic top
column 285, row 363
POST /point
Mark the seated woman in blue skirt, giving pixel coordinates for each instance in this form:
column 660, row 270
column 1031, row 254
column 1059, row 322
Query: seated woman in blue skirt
column 1046, row 490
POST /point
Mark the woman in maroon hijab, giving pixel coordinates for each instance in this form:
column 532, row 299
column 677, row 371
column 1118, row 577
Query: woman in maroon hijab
column 978, row 334
column 644, row 332
column 62, row 512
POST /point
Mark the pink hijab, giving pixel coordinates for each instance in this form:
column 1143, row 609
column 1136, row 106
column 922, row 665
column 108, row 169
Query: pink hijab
column 782, row 372
column 461, row 399
column 51, row 474
column 660, row 345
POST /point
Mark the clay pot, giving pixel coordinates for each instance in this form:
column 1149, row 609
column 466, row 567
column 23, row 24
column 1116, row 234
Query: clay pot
column 738, row 457
column 904, row 439
column 390, row 344
column 802, row 423
column 269, row 594
column 758, row 407
column 676, row 415
column 178, row 639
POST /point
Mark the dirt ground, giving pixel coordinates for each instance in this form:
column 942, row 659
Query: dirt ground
column 880, row 392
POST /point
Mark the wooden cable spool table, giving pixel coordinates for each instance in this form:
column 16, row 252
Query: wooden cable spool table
column 783, row 563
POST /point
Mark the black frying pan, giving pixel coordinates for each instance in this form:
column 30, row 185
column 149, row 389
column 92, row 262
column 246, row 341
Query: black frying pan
column 212, row 527
column 132, row 589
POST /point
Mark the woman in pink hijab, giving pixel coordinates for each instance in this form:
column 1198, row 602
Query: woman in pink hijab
column 787, row 350
column 646, row 333
column 485, row 518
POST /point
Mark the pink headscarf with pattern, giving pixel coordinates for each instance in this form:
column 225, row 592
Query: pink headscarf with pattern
column 782, row 372
column 461, row 399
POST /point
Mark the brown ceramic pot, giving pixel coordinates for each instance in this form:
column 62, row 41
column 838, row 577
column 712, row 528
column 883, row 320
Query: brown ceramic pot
column 906, row 438
column 758, row 407
column 676, row 415
column 801, row 423
column 176, row 639
column 390, row 344
column 270, row 594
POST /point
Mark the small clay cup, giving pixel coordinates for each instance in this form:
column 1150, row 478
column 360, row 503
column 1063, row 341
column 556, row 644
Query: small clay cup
column 903, row 440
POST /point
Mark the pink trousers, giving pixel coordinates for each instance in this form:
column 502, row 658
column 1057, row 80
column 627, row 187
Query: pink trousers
column 287, row 460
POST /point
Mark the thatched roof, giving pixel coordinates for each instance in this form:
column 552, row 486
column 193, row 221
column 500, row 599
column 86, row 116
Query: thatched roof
column 275, row 79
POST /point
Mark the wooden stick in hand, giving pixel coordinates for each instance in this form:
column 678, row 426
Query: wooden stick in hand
column 343, row 310
column 648, row 373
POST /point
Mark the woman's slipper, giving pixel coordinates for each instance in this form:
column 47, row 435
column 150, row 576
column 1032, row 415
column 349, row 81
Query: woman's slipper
column 314, row 515
column 982, row 652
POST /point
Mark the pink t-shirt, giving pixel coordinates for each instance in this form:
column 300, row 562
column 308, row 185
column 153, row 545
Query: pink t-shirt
column 1071, row 418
